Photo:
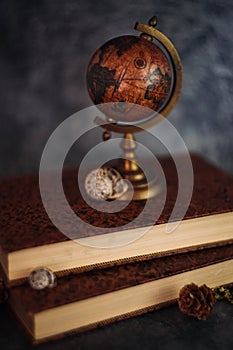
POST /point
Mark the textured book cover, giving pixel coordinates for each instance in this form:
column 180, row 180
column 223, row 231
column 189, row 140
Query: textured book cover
column 29, row 239
column 90, row 299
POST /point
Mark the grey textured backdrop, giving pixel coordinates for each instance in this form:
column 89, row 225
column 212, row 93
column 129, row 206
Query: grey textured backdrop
column 45, row 48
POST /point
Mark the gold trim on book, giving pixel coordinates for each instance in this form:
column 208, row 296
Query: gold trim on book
column 104, row 322
column 99, row 266
column 76, row 253
column 79, row 315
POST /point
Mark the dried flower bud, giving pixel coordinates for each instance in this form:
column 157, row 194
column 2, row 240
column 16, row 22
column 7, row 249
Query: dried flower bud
column 196, row 301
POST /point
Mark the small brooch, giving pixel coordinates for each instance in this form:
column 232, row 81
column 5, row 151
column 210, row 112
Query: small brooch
column 42, row 278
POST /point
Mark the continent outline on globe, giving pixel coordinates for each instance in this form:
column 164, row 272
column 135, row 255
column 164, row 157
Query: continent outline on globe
column 130, row 69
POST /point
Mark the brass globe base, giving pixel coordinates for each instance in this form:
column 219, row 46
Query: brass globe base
column 143, row 191
column 143, row 187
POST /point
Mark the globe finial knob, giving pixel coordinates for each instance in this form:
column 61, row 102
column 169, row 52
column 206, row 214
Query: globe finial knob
column 153, row 21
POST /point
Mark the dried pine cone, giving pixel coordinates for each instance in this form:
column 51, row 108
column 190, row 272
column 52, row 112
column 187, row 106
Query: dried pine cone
column 196, row 301
column 3, row 292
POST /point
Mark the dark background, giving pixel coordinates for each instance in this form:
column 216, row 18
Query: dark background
column 45, row 47
column 165, row 329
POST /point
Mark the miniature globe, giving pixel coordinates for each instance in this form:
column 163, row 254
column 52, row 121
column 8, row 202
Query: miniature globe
column 130, row 69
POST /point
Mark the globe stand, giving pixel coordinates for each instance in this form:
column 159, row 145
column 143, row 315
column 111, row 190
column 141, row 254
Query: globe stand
column 143, row 187
column 100, row 77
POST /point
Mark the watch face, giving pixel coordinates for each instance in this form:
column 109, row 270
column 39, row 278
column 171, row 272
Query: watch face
column 104, row 183
column 42, row 278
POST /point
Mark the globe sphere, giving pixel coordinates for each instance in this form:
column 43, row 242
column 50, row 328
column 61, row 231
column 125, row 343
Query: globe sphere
column 130, row 69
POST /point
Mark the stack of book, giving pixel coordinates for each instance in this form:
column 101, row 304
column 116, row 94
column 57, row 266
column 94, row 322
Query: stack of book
column 97, row 286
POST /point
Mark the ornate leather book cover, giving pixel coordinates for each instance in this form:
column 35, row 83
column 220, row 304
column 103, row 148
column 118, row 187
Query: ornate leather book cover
column 26, row 225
